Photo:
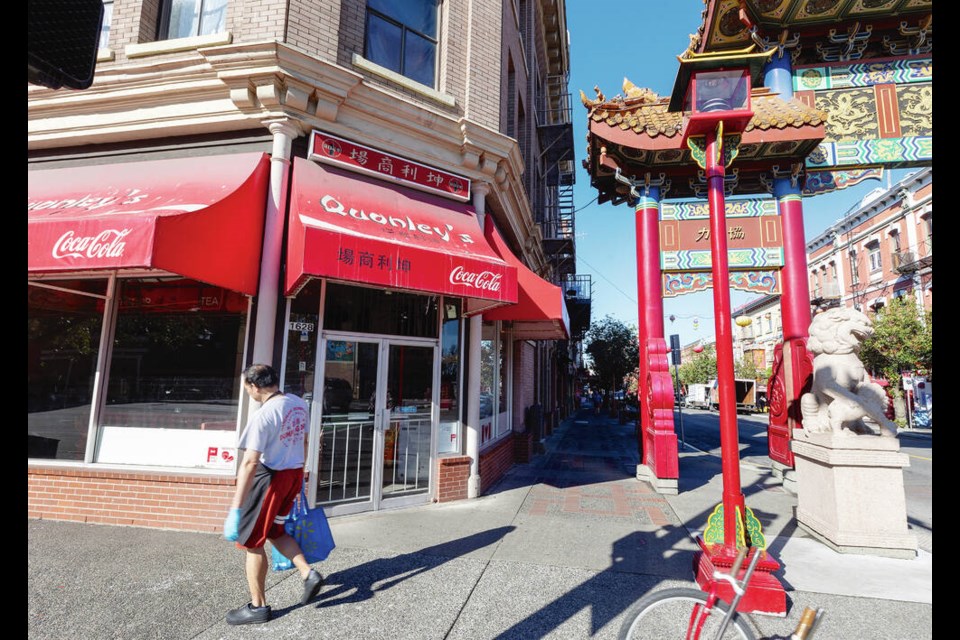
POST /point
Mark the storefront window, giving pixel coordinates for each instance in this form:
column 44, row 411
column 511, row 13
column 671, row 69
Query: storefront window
column 450, row 359
column 302, row 337
column 367, row 310
column 174, row 383
column 64, row 323
column 488, row 371
column 503, row 423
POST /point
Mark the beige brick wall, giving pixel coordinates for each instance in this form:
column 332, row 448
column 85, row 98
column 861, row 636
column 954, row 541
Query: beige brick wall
column 483, row 62
column 511, row 49
column 254, row 20
column 333, row 30
column 133, row 22
column 314, row 27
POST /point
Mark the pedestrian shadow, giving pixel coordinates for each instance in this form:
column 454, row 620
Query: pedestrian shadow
column 606, row 595
column 633, row 573
column 361, row 582
column 638, row 567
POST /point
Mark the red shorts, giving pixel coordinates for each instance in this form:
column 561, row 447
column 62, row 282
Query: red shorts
column 267, row 506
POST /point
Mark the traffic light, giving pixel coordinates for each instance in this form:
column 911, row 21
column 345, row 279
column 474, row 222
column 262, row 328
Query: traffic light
column 62, row 41
column 675, row 348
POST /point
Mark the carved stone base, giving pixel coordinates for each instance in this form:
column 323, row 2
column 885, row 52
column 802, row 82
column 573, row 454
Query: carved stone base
column 664, row 486
column 850, row 493
column 786, row 475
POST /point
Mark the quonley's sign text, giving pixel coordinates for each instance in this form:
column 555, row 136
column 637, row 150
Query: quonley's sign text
column 483, row 280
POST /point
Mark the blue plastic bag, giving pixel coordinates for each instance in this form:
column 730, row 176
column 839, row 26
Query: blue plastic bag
column 279, row 561
column 310, row 529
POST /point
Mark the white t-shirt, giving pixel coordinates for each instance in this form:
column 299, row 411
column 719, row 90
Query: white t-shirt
column 277, row 430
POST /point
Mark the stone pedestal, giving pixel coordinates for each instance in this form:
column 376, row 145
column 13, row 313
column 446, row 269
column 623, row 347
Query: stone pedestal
column 786, row 475
column 663, row 486
column 850, row 493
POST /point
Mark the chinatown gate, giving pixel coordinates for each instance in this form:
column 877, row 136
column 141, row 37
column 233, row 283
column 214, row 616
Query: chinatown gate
column 836, row 91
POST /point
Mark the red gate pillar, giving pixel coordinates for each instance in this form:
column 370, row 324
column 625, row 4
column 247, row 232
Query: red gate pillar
column 792, row 371
column 657, row 438
column 765, row 593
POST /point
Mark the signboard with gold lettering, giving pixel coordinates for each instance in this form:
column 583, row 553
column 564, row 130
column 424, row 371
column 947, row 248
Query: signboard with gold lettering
column 754, row 235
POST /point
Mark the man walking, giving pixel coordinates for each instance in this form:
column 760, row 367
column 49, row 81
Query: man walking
column 269, row 479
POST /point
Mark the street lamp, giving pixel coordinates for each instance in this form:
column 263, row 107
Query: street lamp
column 713, row 92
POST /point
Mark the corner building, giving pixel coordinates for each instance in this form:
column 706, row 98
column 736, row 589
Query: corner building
column 374, row 197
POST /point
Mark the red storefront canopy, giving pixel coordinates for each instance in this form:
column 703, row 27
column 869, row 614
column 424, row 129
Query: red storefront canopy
column 354, row 228
column 541, row 311
column 201, row 218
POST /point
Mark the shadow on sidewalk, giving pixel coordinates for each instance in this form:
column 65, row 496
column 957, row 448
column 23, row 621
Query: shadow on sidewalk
column 363, row 581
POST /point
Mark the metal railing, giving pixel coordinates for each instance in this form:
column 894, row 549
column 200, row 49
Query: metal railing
column 345, row 472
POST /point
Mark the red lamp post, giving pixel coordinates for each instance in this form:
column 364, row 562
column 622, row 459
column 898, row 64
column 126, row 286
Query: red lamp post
column 713, row 90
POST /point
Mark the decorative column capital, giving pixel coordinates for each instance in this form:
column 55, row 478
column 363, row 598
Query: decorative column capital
column 481, row 188
column 288, row 127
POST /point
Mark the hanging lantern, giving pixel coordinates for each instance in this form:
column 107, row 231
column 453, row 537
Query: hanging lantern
column 698, row 348
column 743, row 321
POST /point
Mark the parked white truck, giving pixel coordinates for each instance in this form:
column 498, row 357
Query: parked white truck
column 698, row 396
column 745, row 391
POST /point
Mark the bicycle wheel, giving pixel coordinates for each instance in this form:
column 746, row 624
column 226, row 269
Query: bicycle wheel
column 671, row 614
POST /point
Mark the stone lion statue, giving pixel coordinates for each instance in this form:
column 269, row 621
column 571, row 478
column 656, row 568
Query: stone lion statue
column 842, row 394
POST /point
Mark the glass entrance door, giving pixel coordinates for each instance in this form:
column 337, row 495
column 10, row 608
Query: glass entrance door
column 377, row 414
column 408, row 435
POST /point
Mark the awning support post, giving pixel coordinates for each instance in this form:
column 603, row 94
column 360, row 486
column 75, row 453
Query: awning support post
column 284, row 132
column 480, row 191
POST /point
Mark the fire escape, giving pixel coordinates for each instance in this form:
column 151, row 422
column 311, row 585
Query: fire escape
column 908, row 263
column 915, row 267
column 556, row 217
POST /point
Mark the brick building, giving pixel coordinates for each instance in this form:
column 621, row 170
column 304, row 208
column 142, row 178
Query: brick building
column 880, row 249
column 374, row 197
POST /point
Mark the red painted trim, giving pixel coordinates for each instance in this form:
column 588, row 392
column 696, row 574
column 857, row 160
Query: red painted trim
column 888, row 110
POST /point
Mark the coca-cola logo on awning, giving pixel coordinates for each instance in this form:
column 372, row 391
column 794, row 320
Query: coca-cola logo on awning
column 484, row 280
column 106, row 244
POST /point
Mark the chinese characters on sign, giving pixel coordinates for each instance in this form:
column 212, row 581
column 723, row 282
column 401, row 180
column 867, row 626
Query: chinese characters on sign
column 333, row 150
column 733, row 233
column 371, row 261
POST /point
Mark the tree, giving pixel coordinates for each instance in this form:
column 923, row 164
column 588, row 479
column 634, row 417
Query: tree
column 902, row 340
column 699, row 369
column 614, row 350
column 747, row 369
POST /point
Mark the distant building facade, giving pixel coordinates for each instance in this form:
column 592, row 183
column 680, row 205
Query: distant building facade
column 879, row 250
column 756, row 341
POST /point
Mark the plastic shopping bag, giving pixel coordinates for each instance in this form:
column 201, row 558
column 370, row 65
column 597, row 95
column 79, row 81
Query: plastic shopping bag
column 279, row 562
column 310, row 529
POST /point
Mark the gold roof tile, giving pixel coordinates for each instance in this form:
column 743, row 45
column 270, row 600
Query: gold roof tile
column 653, row 119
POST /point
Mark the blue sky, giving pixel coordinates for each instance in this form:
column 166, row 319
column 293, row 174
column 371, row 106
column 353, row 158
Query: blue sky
column 641, row 40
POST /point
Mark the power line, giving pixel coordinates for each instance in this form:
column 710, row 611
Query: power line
column 587, row 205
column 597, row 271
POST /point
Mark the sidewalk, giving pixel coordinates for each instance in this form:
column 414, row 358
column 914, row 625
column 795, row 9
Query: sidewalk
column 559, row 549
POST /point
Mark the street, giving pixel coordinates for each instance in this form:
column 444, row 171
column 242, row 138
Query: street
column 701, row 431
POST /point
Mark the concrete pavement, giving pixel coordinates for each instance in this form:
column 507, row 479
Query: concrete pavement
column 560, row 548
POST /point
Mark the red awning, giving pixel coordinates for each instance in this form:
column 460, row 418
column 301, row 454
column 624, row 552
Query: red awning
column 541, row 311
column 354, row 228
column 201, row 218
